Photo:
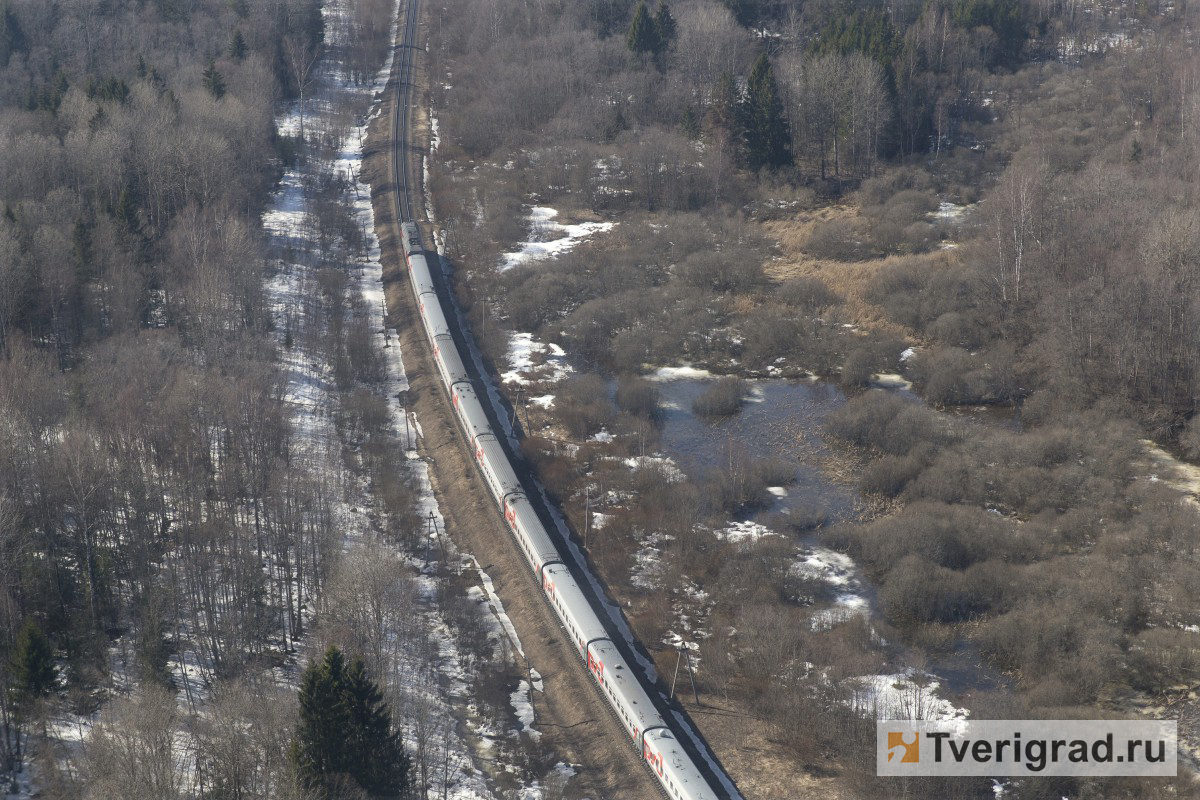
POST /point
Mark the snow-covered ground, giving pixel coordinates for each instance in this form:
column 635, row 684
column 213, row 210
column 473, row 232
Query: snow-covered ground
column 549, row 238
column 908, row 695
column 530, row 360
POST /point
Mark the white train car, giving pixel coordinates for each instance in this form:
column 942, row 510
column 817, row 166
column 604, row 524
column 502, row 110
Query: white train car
column 625, row 694
column 623, row 691
column 422, row 278
column 469, row 411
column 411, row 237
column 527, row 528
column 432, row 316
column 572, row 607
column 497, row 472
column 445, row 355
column 673, row 767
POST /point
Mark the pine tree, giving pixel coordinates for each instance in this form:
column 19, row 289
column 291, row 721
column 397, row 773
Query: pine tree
column 12, row 38
column 33, row 670
column 82, row 246
column 690, row 125
column 346, row 730
column 664, row 26
column 319, row 750
column 237, row 46
column 214, row 81
column 643, row 35
column 768, row 140
column 377, row 758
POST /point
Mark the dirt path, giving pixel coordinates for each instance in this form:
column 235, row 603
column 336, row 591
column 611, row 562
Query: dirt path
column 575, row 722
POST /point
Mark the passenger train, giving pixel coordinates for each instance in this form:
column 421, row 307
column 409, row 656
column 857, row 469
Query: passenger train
column 622, row 689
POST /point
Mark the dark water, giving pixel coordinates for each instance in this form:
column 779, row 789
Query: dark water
column 781, row 420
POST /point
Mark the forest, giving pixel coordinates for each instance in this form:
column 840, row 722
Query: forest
column 172, row 531
column 992, row 202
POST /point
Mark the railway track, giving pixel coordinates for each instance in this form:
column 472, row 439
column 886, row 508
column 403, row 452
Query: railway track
column 407, row 191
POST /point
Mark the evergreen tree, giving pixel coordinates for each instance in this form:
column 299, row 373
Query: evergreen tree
column 319, row 750
column 643, row 34
column 82, row 246
column 237, row 46
column 690, row 125
column 664, row 27
column 12, row 38
column 346, row 732
column 768, row 140
column 214, row 81
column 127, row 213
column 377, row 758
column 33, row 670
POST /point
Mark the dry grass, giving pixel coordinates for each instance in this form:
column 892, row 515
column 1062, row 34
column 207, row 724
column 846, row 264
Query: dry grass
column 848, row 278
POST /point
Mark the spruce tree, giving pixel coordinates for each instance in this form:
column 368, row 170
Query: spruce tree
column 319, row 750
column 664, row 26
column 690, row 125
column 214, row 81
column 237, row 46
column 33, row 670
column 345, row 731
column 768, row 140
column 12, row 38
column 643, row 34
column 377, row 760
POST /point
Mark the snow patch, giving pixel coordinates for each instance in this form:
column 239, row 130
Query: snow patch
column 551, row 364
column 907, row 695
column 549, row 238
column 684, row 372
column 738, row 532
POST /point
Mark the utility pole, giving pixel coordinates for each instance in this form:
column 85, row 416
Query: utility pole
column 587, row 514
column 431, row 531
column 692, row 675
column 678, row 658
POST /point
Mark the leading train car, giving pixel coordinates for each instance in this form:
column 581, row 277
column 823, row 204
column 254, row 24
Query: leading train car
column 411, row 237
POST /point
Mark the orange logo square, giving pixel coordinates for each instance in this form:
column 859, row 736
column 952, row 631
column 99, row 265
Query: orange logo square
column 909, row 752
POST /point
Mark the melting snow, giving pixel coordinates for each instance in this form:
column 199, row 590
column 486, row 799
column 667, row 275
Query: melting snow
column 552, row 365
column 737, row 532
column 685, row 372
column 910, row 695
column 549, row 238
